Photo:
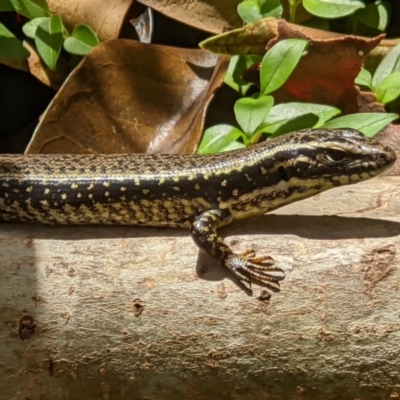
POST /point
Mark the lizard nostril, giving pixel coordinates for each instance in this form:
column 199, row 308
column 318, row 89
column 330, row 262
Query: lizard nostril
column 382, row 158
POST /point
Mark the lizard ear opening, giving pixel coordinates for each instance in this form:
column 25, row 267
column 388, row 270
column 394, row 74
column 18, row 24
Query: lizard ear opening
column 282, row 174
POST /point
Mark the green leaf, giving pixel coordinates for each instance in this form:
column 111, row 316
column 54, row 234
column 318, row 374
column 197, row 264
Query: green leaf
column 374, row 15
column 31, row 8
column 81, row 41
column 251, row 112
column 233, row 146
column 237, row 65
column 389, row 64
column 10, row 46
column 6, row 5
column 317, row 23
column 367, row 123
column 48, row 40
column 332, row 8
column 249, row 11
column 254, row 10
column 219, row 138
column 280, row 117
column 298, row 123
column 30, row 27
column 389, row 89
column 279, row 63
column 364, row 78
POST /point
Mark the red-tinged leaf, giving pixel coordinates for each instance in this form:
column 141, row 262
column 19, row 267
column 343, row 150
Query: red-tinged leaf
column 326, row 73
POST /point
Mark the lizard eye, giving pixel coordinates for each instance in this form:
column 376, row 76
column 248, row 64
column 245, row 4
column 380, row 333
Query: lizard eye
column 335, row 155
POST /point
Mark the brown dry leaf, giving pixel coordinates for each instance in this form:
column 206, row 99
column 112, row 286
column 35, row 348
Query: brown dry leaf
column 326, row 74
column 16, row 63
column 129, row 97
column 104, row 17
column 40, row 70
column 35, row 66
column 252, row 39
column 210, row 16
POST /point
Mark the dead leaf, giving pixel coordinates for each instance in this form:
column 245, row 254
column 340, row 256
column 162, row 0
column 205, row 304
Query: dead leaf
column 129, row 97
column 40, row 70
column 16, row 63
column 326, row 73
column 35, row 66
column 104, row 17
column 252, row 39
column 210, row 16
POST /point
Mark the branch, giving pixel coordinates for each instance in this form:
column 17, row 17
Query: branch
column 121, row 312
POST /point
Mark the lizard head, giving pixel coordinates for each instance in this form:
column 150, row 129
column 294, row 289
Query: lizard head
column 332, row 157
column 298, row 165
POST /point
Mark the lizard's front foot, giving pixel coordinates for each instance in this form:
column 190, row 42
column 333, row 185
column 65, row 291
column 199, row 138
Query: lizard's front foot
column 247, row 267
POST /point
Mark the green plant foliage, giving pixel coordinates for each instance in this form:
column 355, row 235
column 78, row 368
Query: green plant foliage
column 220, row 138
column 29, row 28
column 10, row 46
column 374, row 15
column 48, row 32
column 81, row 41
column 389, row 89
column 257, row 116
column 5, row 5
column 279, row 62
column 332, row 8
column 237, row 65
column 367, row 123
column 304, row 121
column 49, row 39
column 385, row 83
column 284, row 116
column 361, row 17
column 390, row 64
column 250, row 113
column 317, row 23
column 364, row 78
column 253, row 10
column 31, row 8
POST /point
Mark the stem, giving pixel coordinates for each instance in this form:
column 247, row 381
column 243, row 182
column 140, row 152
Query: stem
column 292, row 9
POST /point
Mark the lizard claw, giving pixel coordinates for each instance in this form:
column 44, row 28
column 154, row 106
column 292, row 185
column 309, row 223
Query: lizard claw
column 247, row 268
